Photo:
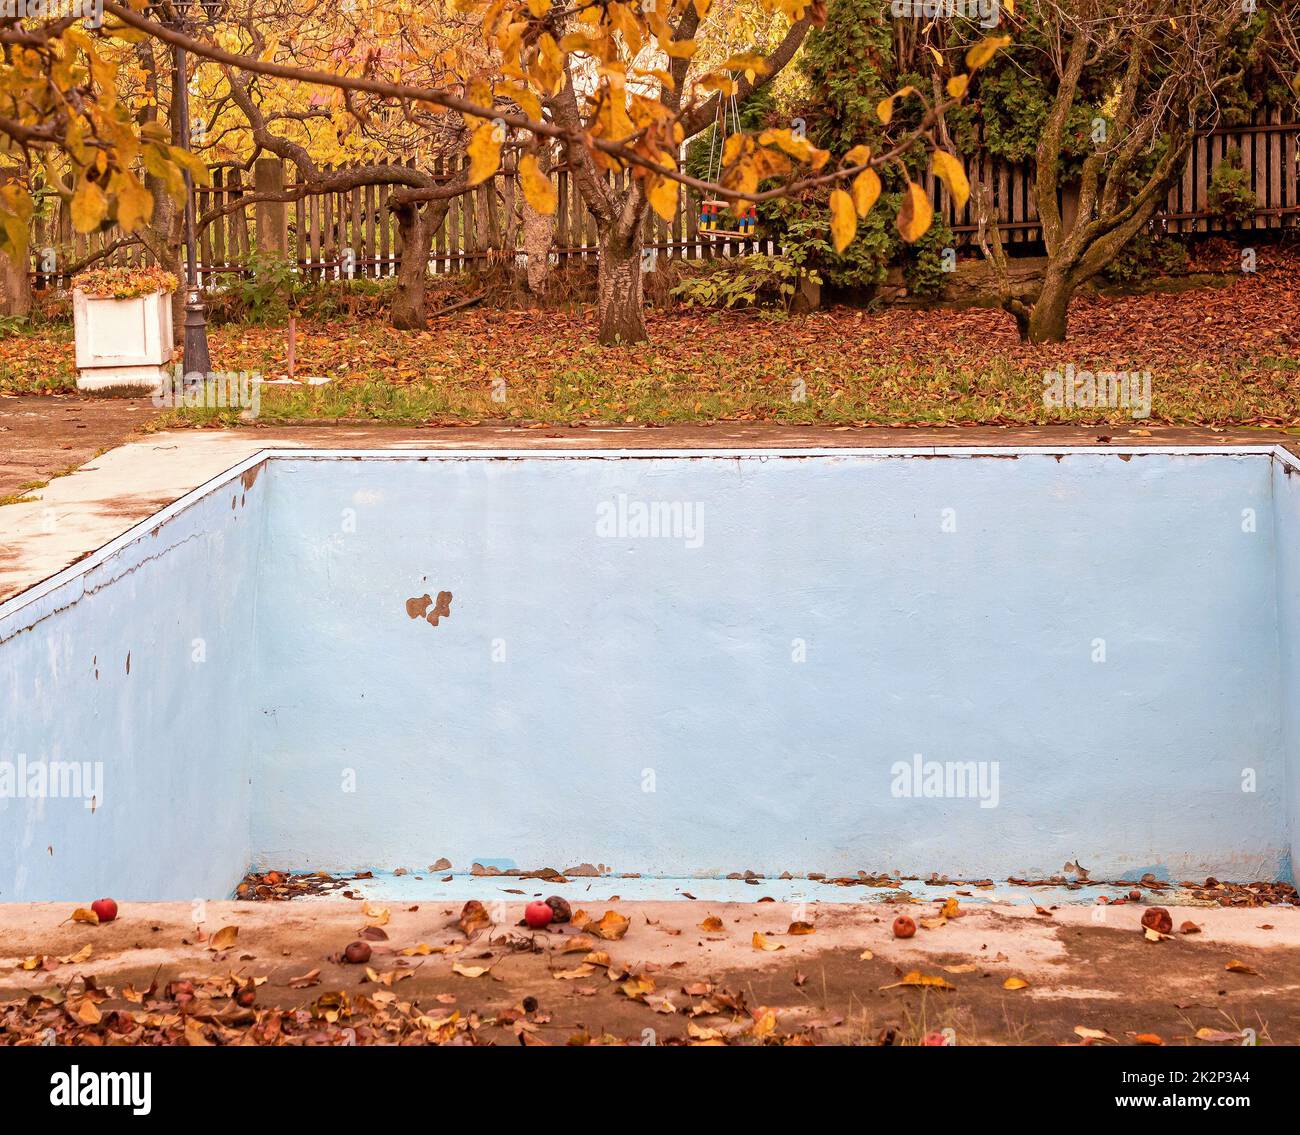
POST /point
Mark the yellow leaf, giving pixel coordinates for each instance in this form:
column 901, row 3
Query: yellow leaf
column 983, row 51
column 539, row 191
column 885, row 108
column 917, row 978
column 866, row 956
column 957, row 86
column 713, row 924
column 866, row 191
column 663, row 196
column 637, row 987
column 484, row 153
column 82, row 914
column 469, row 971
column 858, row 156
column 801, row 928
column 916, row 213
column 949, row 170
column 760, row 942
column 134, row 203
column 583, row 970
column 89, row 206
column 611, row 926
column 1091, row 1034
column 764, row 1024
column 224, row 938
column 539, row 8
column 1015, row 983
column 1235, row 966
column 844, row 221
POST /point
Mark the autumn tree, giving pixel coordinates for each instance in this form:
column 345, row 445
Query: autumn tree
column 1157, row 70
column 609, row 82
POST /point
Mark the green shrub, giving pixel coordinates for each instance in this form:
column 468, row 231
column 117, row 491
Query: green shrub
column 1230, row 194
column 267, row 291
column 1146, row 256
column 739, row 281
column 802, row 228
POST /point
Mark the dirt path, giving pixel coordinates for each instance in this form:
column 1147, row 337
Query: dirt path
column 44, row 436
column 671, row 977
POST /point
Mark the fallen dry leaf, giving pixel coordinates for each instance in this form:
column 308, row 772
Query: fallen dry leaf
column 612, row 926
column 917, row 978
column 762, row 942
column 224, row 938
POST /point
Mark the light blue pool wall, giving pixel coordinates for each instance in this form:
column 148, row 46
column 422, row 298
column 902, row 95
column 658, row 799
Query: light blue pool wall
column 618, row 660
column 173, row 734
column 949, row 606
column 1286, row 494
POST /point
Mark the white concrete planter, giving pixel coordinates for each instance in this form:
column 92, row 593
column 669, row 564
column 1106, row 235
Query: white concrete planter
column 122, row 342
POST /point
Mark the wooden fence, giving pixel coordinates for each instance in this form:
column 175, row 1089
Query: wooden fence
column 332, row 235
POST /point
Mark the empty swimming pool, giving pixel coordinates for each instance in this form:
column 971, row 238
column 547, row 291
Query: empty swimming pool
column 981, row 662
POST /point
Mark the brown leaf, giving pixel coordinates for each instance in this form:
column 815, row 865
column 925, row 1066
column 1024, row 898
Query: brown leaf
column 612, row 926
column 224, row 938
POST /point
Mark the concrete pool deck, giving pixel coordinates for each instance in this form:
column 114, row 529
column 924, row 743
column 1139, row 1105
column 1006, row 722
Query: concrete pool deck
column 671, row 978
column 75, row 515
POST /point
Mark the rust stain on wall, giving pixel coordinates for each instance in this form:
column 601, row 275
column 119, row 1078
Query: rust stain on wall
column 418, row 607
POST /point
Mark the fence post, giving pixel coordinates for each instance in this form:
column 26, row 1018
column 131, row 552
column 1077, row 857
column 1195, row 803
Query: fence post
column 272, row 227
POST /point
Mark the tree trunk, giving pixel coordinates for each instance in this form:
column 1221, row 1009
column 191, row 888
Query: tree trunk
column 539, row 232
column 1048, row 318
column 619, row 300
column 416, row 233
column 15, row 288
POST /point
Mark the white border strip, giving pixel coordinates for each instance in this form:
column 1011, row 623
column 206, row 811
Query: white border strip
column 38, row 591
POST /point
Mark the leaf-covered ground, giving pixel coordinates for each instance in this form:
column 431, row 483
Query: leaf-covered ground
column 680, row 972
column 1225, row 355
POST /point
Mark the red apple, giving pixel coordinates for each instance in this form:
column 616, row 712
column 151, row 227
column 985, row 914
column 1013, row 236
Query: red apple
column 538, row 915
column 904, row 927
column 105, row 909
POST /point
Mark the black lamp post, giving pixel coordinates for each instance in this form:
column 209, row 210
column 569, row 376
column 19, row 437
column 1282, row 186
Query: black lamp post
column 196, row 358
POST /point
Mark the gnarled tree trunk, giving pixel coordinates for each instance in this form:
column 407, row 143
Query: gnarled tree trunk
column 407, row 311
column 619, row 299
